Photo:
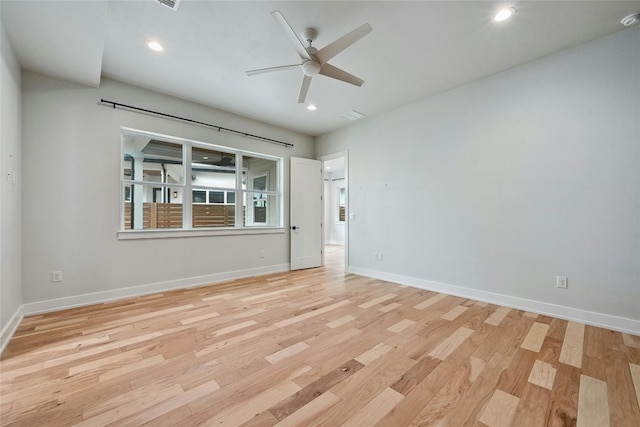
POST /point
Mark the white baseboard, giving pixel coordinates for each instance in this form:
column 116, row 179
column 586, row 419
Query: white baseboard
column 134, row 291
column 10, row 329
column 622, row 324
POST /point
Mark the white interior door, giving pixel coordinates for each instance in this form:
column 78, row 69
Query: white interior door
column 306, row 213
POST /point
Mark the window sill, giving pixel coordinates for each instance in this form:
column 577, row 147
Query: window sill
column 203, row 232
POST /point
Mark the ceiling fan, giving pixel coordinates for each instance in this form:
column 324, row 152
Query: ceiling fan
column 314, row 61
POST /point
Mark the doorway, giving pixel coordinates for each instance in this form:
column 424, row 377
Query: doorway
column 335, row 207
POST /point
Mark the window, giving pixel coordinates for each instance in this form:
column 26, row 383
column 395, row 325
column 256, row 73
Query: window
column 261, row 192
column 170, row 183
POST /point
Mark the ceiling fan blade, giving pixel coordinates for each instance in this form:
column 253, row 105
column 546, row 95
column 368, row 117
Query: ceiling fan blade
column 271, row 69
column 338, row 74
column 304, row 89
column 334, row 48
column 297, row 43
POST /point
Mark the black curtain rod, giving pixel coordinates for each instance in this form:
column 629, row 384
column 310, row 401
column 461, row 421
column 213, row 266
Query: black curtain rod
column 184, row 119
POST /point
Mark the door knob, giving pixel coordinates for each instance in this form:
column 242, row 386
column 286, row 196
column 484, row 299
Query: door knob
column 295, row 228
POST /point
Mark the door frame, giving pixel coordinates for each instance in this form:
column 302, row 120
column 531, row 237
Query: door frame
column 332, row 156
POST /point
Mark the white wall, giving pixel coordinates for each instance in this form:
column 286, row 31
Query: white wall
column 11, row 185
column 334, row 230
column 497, row 187
column 72, row 190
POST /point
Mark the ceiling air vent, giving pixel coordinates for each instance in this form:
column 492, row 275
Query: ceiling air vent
column 171, row 4
column 352, row 115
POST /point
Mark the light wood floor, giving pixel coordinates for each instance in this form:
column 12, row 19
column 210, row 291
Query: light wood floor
column 316, row 348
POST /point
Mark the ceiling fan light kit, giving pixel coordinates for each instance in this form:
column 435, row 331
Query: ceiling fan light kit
column 314, row 61
column 311, row 68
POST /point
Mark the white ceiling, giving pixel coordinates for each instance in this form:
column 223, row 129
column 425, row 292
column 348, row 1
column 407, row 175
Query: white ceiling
column 417, row 49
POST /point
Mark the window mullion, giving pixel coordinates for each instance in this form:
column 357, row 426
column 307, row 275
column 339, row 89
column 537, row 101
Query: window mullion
column 187, row 196
column 239, row 193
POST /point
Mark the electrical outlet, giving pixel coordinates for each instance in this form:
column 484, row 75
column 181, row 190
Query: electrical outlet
column 261, row 254
column 56, row 276
column 380, row 256
column 561, row 282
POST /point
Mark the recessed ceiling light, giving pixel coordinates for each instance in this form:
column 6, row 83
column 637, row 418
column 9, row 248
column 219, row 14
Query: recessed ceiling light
column 311, row 107
column 153, row 45
column 504, row 14
column 632, row 19
column 205, row 157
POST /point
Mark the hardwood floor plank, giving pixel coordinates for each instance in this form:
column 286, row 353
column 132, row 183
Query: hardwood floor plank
column 571, row 353
column 401, row 325
column 500, row 410
column 233, row 328
column 387, row 308
column 631, row 340
column 542, row 374
column 378, row 300
column 376, row 409
column 497, row 316
column 310, row 411
column 200, row 318
column 534, row 339
column 286, row 352
column 635, row 375
column 430, row 301
column 341, row 321
column 593, row 406
column 446, row 347
column 373, row 353
column 454, row 312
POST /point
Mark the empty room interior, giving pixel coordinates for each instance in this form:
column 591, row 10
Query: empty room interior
column 320, row 213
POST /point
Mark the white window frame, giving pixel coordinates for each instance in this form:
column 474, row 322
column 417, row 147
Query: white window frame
column 187, row 189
